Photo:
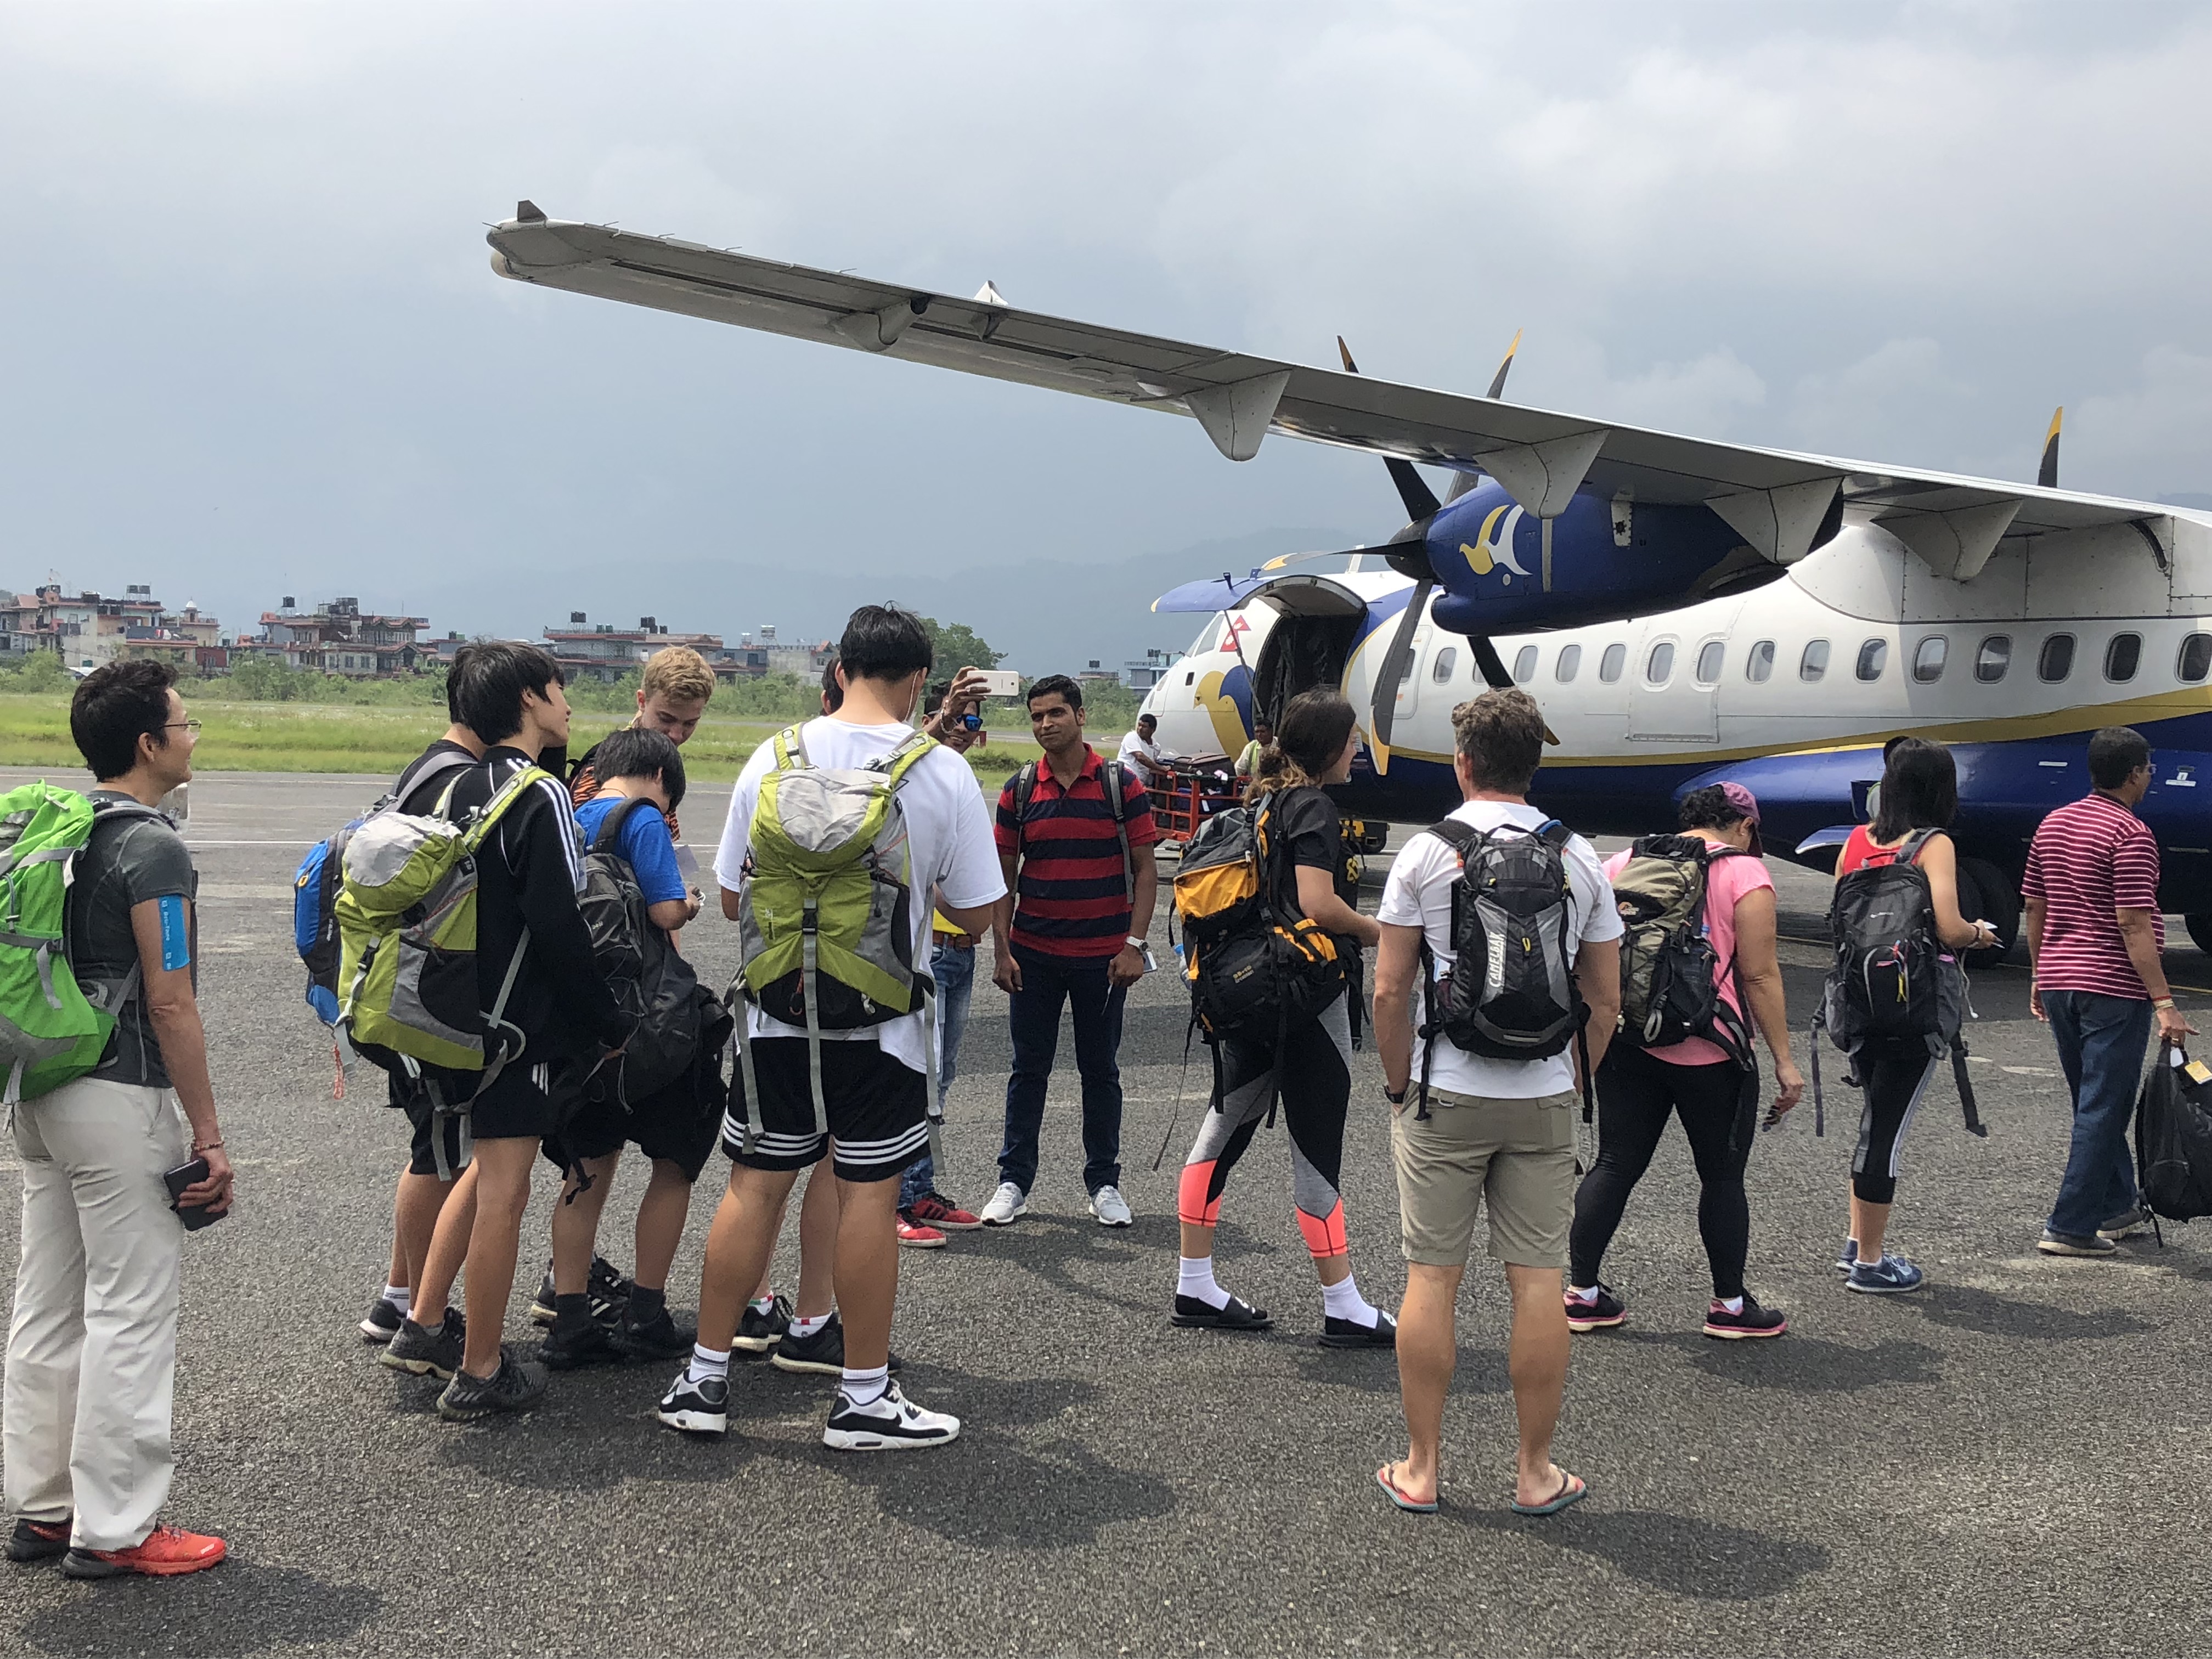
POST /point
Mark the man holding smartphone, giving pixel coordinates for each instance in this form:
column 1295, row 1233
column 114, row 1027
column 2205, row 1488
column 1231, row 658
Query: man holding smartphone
column 91, row 1351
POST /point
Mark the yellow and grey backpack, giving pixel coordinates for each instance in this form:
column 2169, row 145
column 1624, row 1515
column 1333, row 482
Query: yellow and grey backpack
column 825, row 918
column 407, row 934
column 1251, row 960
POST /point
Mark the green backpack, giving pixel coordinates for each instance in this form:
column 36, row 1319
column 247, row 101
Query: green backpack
column 51, row 1033
column 825, row 919
column 407, row 941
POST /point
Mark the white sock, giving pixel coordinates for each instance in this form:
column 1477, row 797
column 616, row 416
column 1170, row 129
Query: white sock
column 1582, row 1292
column 762, row 1305
column 1194, row 1278
column 866, row 1387
column 808, row 1327
column 706, row 1363
column 1342, row 1300
column 400, row 1296
column 1733, row 1304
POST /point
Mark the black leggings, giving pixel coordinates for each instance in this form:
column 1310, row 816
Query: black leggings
column 1636, row 1095
column 1894, row 1071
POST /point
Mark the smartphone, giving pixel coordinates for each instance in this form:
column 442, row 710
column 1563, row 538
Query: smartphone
column 1001, row 682
column 184, row 1176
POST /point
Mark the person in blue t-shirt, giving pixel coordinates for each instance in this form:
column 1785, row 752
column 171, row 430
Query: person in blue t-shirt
column 676, row 1127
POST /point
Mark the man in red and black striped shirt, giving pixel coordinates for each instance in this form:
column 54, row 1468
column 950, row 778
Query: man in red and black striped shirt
column 1084, row 883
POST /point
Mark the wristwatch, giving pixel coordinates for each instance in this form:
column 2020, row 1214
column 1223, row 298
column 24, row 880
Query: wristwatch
column 1396, row 1097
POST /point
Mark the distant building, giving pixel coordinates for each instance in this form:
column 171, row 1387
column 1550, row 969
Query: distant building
column 807, row 661
column 1143, row 676
column 338, row 638
column 1093, row 674
column 87, row 630
column 603, row 652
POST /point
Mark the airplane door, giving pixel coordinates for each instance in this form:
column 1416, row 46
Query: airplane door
column 1675, row 675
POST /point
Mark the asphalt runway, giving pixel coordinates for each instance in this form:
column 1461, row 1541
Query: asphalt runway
column 2014, row 1460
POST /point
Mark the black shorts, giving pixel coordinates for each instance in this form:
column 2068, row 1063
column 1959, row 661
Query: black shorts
column 515, row 1107
column 879, row 1110
column 674, row 1124
column 423, row 1150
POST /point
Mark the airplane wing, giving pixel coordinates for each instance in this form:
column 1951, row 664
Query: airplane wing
column 1775, row 498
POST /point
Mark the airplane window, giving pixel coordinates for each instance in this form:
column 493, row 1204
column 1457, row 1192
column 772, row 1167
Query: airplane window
column 1570, row 658
column 2056, row 661
column 1928, row 659
column 1524, row 664
column 1814, row 662
column 1190, row 677
column 2121, row 656
column 1445, row 658
column 1872, row 655
column 1610, row 664
column 1758, row 668
column 1711, row 656
column 1661, row 664
column 2196, row 662
column 1993, row 659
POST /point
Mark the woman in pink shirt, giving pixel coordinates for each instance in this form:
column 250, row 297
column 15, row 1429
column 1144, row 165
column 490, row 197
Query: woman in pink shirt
column 1713, row 1092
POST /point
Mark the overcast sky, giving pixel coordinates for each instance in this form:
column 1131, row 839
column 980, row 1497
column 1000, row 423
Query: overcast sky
column 252, row 345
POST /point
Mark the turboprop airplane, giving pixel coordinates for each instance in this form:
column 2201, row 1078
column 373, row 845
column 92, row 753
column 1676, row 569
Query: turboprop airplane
column 1706, row 602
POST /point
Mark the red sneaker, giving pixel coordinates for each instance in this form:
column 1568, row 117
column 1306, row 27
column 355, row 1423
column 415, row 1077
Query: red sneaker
column 933, row 1210
column 914, row 1235
column 165, row 1553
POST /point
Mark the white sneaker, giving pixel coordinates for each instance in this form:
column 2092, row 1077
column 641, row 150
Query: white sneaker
column 1110, row 1207
column 1009, row 1204
column 889, row 1422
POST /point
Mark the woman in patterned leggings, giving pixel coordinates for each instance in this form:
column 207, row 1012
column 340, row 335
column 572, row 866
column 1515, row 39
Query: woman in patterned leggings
column 1310, row 1075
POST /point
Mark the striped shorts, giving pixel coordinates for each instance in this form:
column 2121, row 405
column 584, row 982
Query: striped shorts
column 877, row 1110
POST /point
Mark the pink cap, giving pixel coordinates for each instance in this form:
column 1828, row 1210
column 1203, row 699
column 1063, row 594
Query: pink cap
column 1748, row 804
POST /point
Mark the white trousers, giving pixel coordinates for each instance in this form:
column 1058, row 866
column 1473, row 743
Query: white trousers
column 92, row 1351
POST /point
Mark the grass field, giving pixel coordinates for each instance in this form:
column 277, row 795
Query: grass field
column 296, row 737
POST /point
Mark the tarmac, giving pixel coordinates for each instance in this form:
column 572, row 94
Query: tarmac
column 2013, row 1460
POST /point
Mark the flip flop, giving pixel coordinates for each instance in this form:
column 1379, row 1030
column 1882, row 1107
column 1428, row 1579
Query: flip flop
column 1572, row 1490
column 1382, row 1479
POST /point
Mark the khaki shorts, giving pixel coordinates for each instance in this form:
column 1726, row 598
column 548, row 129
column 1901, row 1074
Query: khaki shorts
column 1520, row 1154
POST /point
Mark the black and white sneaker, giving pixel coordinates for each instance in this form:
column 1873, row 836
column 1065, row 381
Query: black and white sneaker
column 758, row 1332
column 586, row 1342
column 1351, row 1333
column 891, row 1422
column 423, row 1353
column 382, row 1322
column 516, row 1386
column 608, row 1290
column 700, row 1408
column 823, row 1353
column 1233, row 1314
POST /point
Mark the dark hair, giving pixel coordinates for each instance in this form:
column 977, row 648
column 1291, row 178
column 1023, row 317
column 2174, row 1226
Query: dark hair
column 1056, row 685
column 632, row 753
column 453, row 685
column 494, row 676
column 1501, row 733
column 883, row 642
column 116, row 705
column 1144, row 714
column 833, row 689
column 1709, row 808
column 2114, row 755
column 1307, row 742
column 1919, row 790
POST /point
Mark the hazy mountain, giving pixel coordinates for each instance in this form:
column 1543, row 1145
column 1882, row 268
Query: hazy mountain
column 1044, row 614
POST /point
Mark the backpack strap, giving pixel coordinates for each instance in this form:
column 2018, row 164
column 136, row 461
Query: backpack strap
column 1024, row 787
column 790, row 748
column 423, row 769
column 1111, row 778
column 1456, row 834
column 608, row 837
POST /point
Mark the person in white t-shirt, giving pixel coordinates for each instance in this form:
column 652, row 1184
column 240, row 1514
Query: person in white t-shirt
column 875, row 1078
column 1139, row 752
column 1499, row 1132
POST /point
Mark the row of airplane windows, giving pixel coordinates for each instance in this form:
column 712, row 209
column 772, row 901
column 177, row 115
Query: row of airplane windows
column 2054, row 661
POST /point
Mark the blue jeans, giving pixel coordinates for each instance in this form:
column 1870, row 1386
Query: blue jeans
column 955, row 974
column 1033, row 1021
column 2100, row 1041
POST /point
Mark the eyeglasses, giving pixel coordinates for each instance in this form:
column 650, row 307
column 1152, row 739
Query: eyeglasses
column 182, row 726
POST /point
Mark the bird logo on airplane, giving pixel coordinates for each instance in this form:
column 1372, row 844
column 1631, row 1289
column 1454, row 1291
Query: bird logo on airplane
column 1492, row 547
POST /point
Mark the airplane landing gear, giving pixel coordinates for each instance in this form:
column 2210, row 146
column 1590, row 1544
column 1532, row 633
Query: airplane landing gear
column 1985, row 891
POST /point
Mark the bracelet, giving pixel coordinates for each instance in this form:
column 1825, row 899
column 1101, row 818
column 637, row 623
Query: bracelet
column 207, row 1145
column 2162, row 1003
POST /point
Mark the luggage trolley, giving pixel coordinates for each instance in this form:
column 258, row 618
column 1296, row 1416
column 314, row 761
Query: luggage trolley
column 1198, row 786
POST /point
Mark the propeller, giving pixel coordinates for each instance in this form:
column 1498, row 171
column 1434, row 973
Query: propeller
column 1421, row 506
column 1463, row 482
column 2047, row 475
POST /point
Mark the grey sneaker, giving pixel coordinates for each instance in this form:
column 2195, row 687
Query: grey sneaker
column 424, row 1352
column 516, row 1386
column 2126, row 1224
column 2053, row 1243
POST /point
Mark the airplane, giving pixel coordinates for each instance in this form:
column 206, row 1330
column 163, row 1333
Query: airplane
column 1687, row 609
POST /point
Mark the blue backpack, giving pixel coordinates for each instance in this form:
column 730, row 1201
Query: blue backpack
column 321, row 874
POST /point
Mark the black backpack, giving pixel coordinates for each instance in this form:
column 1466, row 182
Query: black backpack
column 2173, row 1138
column 1670, row 970
column 1252, row 960
column 1510, row 993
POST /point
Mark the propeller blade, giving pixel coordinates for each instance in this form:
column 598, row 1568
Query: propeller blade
column 1392, row 674
column 2047, row 477
column 1492, row 666
column 1498, row 380
column 1420, row 500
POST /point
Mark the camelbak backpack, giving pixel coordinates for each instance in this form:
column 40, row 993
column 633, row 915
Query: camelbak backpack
column 1510, row 991
column 1670, row 970
column 825, row 918
column 407, row 936
column 1251, row 960
column 53, row 1028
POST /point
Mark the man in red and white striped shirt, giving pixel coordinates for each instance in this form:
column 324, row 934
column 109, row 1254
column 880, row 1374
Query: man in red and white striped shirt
column 2093, row 938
